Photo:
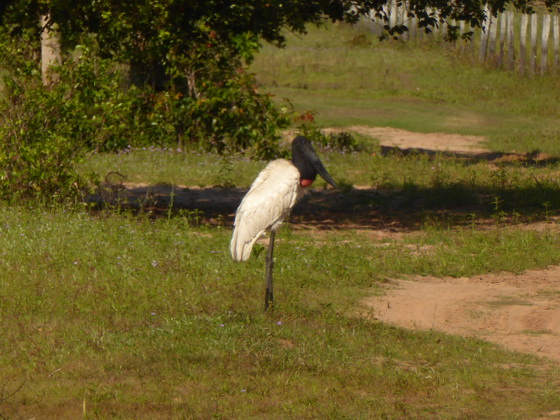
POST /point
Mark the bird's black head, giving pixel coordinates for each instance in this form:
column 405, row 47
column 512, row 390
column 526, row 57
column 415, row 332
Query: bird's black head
column 308, row 163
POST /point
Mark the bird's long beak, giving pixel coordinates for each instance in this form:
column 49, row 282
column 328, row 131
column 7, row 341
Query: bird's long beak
column 316, row 162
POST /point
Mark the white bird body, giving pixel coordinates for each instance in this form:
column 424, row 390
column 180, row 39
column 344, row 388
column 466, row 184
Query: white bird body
column 271, row 197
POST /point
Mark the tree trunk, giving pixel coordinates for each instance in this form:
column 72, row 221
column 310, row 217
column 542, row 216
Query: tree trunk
column 50, row 51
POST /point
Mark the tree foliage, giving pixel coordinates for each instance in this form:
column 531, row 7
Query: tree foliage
column 128, row 26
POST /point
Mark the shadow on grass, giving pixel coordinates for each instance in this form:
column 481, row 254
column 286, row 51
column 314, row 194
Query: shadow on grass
column 398, row 209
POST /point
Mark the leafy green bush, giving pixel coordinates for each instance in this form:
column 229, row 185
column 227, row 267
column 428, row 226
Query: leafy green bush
column 226, row 118
column 36, row 159
column 46, row 131
column 39, row 145
column 211, row 102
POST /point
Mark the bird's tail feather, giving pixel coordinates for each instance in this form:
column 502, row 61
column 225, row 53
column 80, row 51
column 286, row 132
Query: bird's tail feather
column 239, row 249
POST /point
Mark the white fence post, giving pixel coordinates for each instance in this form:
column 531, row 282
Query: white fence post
column 511, row 40
column 544, row 42
column 556, row 40
column 523, row 44
column 483, row 40
column 503, row 26
column 533, row 57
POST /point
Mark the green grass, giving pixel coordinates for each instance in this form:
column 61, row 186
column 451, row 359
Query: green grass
column 127, row 317
column 155, row 166
column 418, row 87
column 508, row 301
column 419, row 184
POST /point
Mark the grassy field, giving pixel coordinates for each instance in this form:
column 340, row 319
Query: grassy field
column 110, row 314
column 127, row 317
column 348, row 77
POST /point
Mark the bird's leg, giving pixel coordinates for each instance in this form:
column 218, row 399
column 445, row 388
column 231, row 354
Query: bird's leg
column 269, row 293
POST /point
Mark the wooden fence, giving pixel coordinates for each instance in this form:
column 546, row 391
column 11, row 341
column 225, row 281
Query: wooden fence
column 529, row 44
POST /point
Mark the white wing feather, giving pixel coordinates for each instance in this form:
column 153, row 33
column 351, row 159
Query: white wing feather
column 270, row 199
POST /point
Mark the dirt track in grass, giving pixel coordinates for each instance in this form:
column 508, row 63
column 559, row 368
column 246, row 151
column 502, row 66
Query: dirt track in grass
column 520, row 312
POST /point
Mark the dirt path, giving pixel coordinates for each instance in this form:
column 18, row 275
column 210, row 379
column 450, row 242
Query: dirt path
column 520, row 312
column 436, row 142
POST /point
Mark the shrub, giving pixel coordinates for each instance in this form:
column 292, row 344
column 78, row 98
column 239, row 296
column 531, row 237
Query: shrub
column 225, row 118
column 46, row 131
column 36, row 161
column 213, row 104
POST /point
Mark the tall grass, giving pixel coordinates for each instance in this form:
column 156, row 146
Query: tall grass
column 155, row 165
column 524, row 190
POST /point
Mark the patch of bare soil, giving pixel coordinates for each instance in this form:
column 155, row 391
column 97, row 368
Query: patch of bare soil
column 519, row 312
column 434, row 142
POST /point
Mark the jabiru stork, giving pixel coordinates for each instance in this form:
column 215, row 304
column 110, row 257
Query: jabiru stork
column 273, row 194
